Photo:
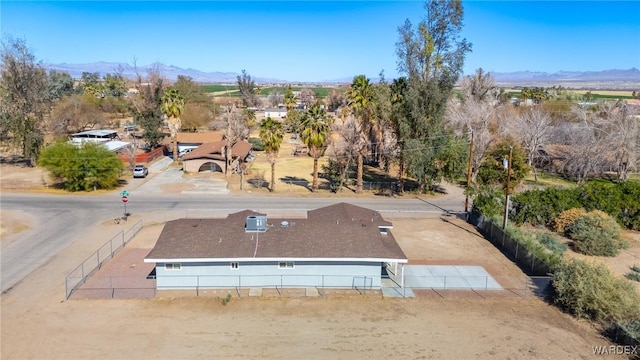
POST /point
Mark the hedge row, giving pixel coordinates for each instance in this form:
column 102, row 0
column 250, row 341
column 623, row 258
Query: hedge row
column 542, row 245
column 541, row 207
column 591, row 290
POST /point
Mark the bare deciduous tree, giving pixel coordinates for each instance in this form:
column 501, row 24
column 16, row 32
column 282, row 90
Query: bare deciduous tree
column 479, row 117
column 623, row 139
column 74, row 113
column 587, row 154
column 479, row 87
column 275, row 98
column 533, row 128
column 307, row 97
column 346, row 147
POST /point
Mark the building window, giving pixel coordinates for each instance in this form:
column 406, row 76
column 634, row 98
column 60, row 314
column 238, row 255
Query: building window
column 285, row 265
column 172, row 266
column 234, row 266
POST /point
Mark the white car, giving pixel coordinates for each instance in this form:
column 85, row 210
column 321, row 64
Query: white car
column 184, row 152
column 140, row 171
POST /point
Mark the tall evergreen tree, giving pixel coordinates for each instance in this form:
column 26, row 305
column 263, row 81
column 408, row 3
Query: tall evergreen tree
column 247, row 88
column 23, row 97
column 431, row 56
column 146, row 107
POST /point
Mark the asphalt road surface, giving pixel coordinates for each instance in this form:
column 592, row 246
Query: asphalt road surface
column 59, row 219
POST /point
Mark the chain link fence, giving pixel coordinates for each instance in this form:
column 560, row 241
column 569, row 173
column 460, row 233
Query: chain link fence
column 82, row 272
column 322, row 285
column 527, row 261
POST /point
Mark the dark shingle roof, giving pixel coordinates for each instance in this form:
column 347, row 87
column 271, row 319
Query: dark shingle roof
column 334, row 232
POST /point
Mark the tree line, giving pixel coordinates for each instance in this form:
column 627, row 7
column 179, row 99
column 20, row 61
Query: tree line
column 416, row 124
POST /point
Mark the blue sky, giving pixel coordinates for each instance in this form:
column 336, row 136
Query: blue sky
column 325, row 40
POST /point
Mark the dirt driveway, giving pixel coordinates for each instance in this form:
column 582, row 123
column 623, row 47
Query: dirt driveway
column 38, row 323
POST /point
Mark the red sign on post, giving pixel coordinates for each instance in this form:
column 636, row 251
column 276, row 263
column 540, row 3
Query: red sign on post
column 125, row 199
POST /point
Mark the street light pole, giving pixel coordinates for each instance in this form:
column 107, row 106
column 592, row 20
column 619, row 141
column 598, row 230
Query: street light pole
column 466, row 199
column 507, row 164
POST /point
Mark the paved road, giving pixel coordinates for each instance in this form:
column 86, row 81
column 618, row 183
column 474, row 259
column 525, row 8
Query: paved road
column 59, row 219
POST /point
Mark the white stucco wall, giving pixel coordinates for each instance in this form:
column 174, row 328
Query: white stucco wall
column 268, row 274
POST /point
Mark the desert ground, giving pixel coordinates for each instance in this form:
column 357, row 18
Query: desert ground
column 38, row 322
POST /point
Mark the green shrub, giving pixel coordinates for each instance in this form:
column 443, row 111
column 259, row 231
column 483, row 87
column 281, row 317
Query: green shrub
column 256, row 143
column 540, row 207
column 632, row 275
column 226, row 299
column 592, row 291
column 332, row 171
column 601, row 195
column 492, row 171
column 597, row 234
column 529, row 241
column 489, row 201
column 552, row 243
column 632, row 328
column 629, row 215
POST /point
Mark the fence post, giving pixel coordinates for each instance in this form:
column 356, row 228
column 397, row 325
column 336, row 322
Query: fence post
column 486, row 283
column 532, row 261
column 122, row 238
column 82, row 267
column 445, row 283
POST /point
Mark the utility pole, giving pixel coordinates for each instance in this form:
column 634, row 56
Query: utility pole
column 507, row 165
column 466, row 199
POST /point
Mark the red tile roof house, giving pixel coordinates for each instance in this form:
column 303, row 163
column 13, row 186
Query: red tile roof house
column 212, row 156
column 337, row 246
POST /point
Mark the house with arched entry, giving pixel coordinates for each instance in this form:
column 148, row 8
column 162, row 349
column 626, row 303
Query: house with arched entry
column 214, row 157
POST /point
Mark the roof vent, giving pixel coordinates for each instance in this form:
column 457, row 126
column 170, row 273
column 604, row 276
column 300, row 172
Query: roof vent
column 284, row 224
column 256, row 224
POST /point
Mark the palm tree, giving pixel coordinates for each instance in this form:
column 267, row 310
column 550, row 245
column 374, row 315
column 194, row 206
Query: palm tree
column 360, row 100
column 271, row 134
column 172, row 106
column 316, row 129
column 290, row 100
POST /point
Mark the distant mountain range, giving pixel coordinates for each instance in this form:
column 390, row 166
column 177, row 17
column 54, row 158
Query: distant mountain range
column 168, row 71
column 630, row 75
column 171, row 72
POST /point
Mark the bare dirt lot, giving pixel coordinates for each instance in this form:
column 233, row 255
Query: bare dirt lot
column 39, row 323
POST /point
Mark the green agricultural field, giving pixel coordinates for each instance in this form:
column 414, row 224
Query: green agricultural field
column 233, row 89
column 321, row 91
column 211, row 88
